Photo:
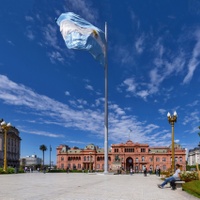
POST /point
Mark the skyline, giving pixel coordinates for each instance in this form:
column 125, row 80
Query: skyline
column 54, row 95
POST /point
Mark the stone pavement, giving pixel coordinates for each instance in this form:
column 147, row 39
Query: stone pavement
column 63, row 186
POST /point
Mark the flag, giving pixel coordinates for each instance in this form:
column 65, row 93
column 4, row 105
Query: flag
column 82, row 35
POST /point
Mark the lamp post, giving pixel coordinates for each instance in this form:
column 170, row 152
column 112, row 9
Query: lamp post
column 50, row 149
column 5, row 127
column 90, row 169
column 172, row 119
column 153, row 153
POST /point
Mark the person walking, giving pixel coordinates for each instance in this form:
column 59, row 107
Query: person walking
column 159, row 171
column 131, row 171
column 173, row 178
column 145, row 171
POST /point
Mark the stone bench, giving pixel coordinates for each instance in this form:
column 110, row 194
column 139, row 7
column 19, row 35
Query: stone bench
column 179, row 183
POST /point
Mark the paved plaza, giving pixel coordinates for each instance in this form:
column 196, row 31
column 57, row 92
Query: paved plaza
column 63, row 186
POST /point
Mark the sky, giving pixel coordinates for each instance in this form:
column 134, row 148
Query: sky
column 54, row 95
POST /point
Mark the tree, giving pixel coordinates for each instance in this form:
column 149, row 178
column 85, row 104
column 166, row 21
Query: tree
column 43, row 148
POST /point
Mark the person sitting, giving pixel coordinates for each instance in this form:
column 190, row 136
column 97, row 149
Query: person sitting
column 172, row 179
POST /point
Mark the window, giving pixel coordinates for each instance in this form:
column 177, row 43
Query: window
column 84, row 158
column 79, row 166
column 116, row 150
column 136, row 160
column 164, row 167
column 129, row 150
column 62, row 158
column 164, row 159
column 142, row 149
column 143, row 159
column 157, row 159
column 181, row 159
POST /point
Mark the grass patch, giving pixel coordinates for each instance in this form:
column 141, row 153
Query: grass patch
column 192, row 187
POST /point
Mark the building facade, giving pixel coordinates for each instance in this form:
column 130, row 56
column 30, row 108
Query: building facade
column 30, row 161
column 124, row 156
column 13, row 147
column 194, row 156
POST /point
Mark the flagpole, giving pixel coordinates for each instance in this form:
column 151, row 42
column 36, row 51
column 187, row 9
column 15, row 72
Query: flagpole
column 106, row 107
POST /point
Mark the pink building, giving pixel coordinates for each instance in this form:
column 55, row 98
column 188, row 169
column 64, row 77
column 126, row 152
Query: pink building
column 120, row 156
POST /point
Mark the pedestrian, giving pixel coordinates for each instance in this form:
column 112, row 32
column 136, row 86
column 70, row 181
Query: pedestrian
column 172, row 179
column 67, row 170
column 159, row 171
column 131, row 171
column 145, row 171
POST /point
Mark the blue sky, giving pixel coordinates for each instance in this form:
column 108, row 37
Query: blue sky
column 54, row 95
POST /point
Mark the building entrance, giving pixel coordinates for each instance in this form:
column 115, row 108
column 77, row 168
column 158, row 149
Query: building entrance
column 129, row 164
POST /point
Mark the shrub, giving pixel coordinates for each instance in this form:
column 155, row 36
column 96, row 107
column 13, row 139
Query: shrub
column 189, row 176
column 57, row 171
column 1, row 171
column 10, row 170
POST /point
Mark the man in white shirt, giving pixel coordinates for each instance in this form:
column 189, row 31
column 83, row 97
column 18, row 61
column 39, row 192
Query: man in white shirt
column 176, row 176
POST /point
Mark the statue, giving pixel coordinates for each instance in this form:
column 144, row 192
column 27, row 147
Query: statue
column 117, row 159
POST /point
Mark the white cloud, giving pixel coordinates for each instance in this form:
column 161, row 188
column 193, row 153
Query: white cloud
column 86, row 9
column 42, row 133
column 131, row 85
column 89, row 87
column 80, row 117
column 194, row 61
column 139, row 44
column 55, row 56
column 29, row 18
column 143, row 94
column 67, row 93
column 162, row 111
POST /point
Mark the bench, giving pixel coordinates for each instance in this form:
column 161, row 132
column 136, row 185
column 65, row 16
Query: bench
column 179, row 183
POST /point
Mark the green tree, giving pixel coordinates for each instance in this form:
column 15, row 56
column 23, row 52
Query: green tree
column 43, row 148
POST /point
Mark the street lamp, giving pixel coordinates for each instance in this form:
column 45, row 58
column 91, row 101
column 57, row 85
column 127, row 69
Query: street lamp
column 90, row 169
column 153, row 153
column 5, row 127
column 172, row 119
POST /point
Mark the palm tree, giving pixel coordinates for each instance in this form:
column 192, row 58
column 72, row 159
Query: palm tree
column 43, row 148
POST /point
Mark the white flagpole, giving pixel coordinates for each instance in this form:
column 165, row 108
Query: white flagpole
column 106, row 107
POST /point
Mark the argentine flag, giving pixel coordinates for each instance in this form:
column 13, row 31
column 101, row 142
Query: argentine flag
column 80, row 34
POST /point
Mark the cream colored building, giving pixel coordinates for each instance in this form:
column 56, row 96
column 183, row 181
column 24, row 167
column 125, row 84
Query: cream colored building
column 32, row 160
column 194, row 156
